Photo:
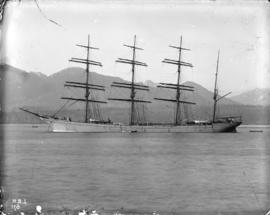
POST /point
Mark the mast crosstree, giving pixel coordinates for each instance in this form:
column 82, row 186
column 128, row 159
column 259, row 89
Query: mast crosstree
column 87, row 86
column 132, row 86
column 177, row 87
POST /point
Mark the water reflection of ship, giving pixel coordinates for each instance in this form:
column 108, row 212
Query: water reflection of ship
column 92, row 116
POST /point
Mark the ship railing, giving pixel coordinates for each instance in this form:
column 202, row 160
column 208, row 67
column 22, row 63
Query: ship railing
column 229, row 119
column 198, row 122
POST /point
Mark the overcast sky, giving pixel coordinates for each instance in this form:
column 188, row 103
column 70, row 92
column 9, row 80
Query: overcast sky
column 239, row 30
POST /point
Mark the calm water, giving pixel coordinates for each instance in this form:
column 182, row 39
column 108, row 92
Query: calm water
column 146, row 172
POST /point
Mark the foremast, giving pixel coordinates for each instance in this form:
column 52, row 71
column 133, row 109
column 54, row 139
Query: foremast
column 132, row 86
column 177, row 87
column 87, row 86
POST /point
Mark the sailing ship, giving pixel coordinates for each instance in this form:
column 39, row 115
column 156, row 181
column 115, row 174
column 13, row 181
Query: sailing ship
column 221, row 124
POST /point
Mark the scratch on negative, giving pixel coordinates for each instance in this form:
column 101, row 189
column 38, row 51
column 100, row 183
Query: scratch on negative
column 2, row 6
column 44, row 15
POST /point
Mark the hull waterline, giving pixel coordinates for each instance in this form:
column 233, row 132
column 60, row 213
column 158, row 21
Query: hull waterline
column 67, row 126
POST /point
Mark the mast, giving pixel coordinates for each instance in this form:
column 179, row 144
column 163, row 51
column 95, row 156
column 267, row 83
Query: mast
column 177, row 114
column 215, row 90
column 132, row 86
column 177, row 87
column 216, row 97
column 132, row 93
column 87, row 86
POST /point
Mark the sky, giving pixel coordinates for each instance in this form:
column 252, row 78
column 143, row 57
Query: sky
column 43, row 39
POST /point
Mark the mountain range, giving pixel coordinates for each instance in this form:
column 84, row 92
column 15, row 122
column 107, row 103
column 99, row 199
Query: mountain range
column 259, row 97
column 42, row 93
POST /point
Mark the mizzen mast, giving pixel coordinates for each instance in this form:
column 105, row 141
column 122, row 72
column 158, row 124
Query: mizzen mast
column 215, row 90
column 87, row 86
column 216, row 97
column 177, row 87
column 132, row 86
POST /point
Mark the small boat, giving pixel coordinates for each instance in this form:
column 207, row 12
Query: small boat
column 255, row 130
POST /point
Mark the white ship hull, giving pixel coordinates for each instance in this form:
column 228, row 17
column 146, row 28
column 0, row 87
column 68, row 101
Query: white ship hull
column 67, row 126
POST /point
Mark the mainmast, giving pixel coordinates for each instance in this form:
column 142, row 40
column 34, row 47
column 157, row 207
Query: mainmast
column 87, row 86
column 215, row 97
column 177, row 87
column 132, row 86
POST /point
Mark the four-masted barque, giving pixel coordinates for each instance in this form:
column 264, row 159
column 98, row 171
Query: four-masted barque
column 224, row 124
